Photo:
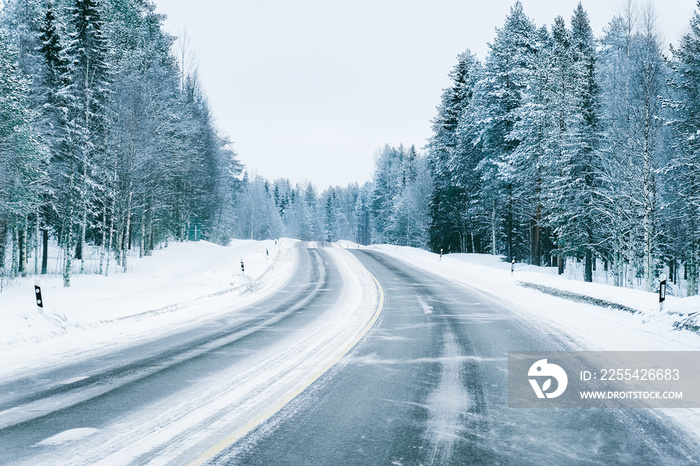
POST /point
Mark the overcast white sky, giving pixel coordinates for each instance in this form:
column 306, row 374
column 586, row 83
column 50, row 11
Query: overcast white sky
column 310, row 89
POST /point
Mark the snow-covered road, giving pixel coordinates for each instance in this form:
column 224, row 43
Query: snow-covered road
column 190, row 393
column 339, row 357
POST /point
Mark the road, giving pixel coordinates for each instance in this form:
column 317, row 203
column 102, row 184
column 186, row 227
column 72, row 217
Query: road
column 281, row 383
column 172, row 398
column 428, row 385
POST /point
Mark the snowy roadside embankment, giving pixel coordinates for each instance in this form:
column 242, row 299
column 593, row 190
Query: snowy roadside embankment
column 176, row 286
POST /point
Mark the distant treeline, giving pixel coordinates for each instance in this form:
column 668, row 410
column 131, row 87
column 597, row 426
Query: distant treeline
column 392, row 208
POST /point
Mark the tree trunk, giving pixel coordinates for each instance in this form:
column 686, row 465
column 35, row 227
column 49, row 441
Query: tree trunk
column 3, row 247
column 68, row 257
column 692, row 272
column 536, row 238
column 83, row 228
column 127, row 231
column 104, row 237
column 493, row 228
column 588, row 266
column 22, row 246
column 109, row 244
column 143, row 233
column 15, row 254
column 36, row 248
column 45, row 251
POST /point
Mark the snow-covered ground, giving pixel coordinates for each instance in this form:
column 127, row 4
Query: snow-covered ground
column 176, row 286
column 583, row 326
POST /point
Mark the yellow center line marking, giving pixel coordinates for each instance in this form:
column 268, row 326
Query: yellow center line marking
column 264, row 416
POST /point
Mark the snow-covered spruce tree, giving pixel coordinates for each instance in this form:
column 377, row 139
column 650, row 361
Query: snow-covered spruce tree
column 330, row 211
column 386, row 186
column 450, row 163
column 410, row 216
column 555, row 116
column 339, row 213
column 88, row 87
column 575, row 193
column 684, row 170
column 463, row 168
column 363, row 214
column 409, row 212
column 499, row 96
column 52, row 113
column 528, row 169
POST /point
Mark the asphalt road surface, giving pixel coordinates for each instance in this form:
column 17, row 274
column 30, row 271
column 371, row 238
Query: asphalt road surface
column 428, row 385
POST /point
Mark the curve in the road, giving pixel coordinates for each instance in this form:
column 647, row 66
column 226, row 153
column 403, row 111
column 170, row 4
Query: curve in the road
column 428, row 385
column 156, row 414
column 258, row 420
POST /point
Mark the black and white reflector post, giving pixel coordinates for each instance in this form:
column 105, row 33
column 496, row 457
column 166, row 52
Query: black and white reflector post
column 39, row 299
column 662, row 291
column 512, row 267
column 242, row 266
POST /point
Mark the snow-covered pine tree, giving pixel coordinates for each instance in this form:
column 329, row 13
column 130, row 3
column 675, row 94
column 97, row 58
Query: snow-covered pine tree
column 684, row 171
column 499, row 96
column 451, row 162
column 575, row 192
column 528, row 168
column 363, row 214
column 89, row 80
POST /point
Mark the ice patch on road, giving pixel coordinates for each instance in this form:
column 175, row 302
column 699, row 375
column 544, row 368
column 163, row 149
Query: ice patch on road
column 67, row 436
column 446, row 404
column 427, row 309
column 446, row 359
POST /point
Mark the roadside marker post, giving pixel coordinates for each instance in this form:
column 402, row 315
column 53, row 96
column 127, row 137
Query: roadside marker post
column 662, row 291
column 440, row 254
column 242, row 266
column 512, row 267
column 38, row 298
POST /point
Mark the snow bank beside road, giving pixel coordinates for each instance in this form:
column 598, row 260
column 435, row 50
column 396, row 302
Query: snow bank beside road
column 175, row 286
